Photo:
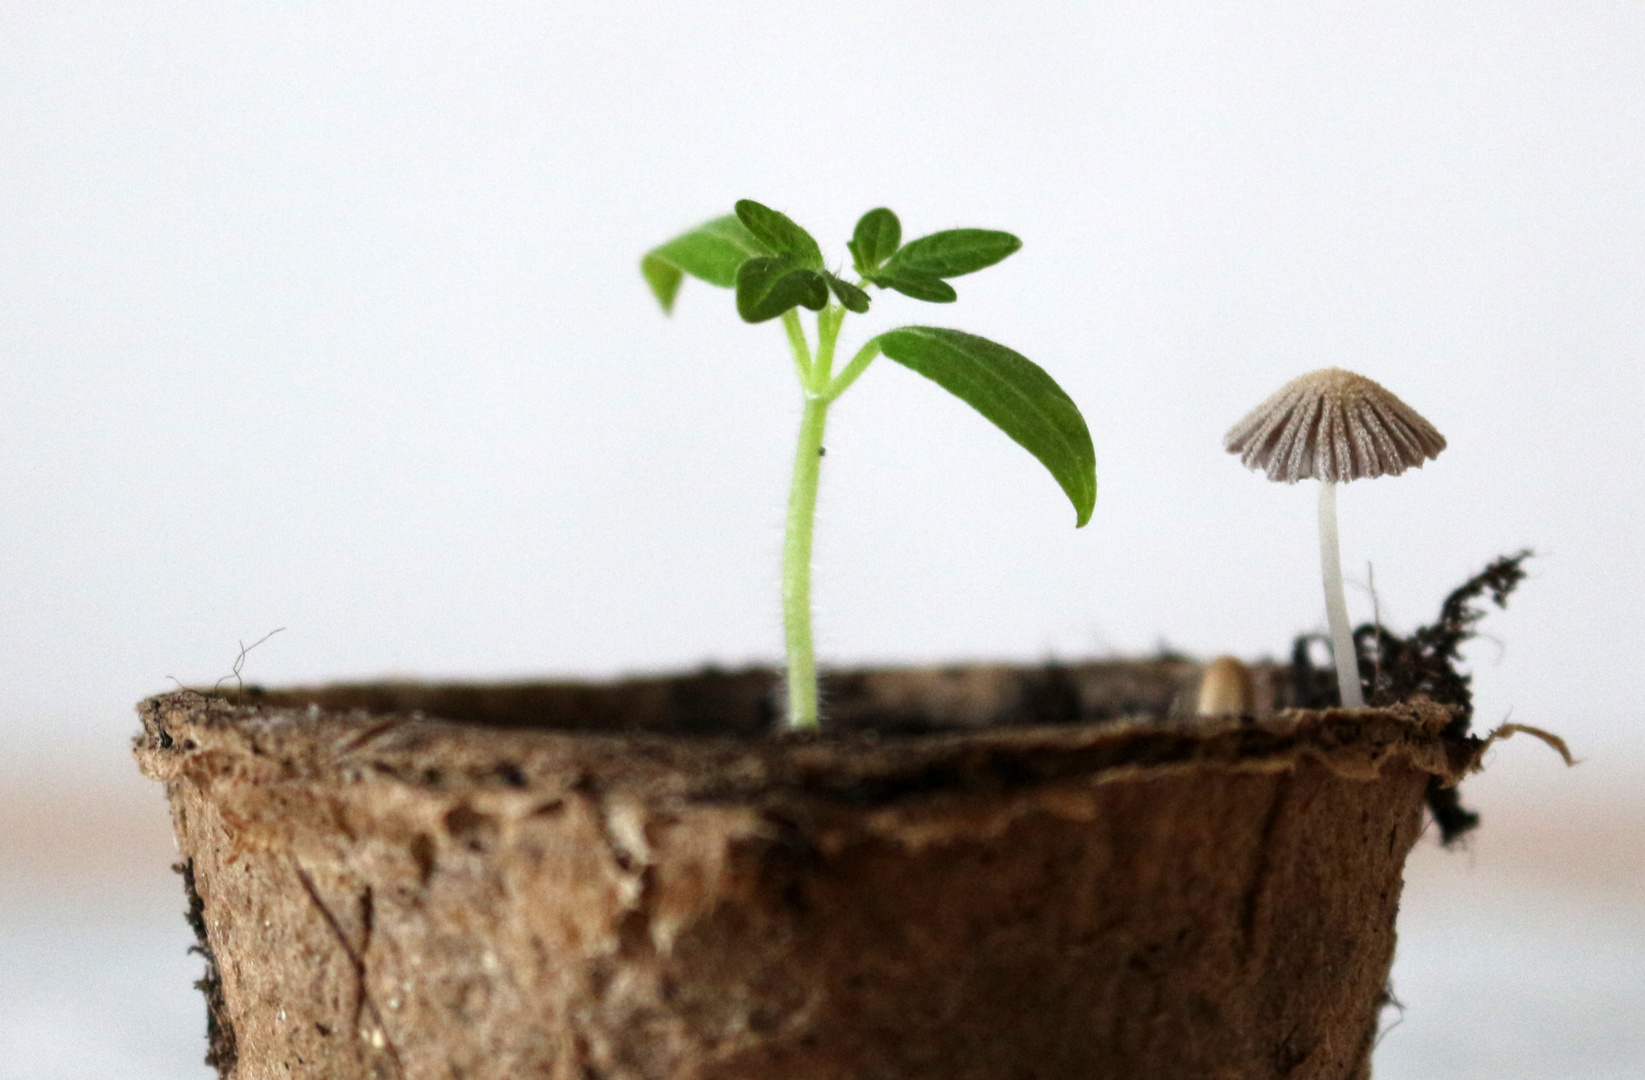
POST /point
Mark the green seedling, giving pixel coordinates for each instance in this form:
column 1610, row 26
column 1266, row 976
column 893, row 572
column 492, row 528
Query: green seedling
column 777, row 268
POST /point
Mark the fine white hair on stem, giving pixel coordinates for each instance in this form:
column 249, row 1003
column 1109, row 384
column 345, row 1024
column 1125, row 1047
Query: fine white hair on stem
column 1336, row 604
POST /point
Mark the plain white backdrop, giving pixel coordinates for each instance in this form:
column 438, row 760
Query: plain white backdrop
column 327, row 317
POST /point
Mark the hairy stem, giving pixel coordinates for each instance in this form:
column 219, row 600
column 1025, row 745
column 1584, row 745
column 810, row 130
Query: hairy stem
column 797, row 345
column 1336, row 605
column 802, row 513
column 828, row 332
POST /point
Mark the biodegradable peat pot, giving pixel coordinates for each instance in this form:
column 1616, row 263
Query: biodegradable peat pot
column 1019, row 876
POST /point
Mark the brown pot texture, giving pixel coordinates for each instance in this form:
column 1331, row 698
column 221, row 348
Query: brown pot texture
column 1000, row 873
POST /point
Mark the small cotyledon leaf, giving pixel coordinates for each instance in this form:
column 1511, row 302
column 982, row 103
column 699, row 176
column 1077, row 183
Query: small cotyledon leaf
column 713, row 252
column 876, row 239
column 778, row 232
column 769, row 286
column 1014, row 393
column 852, row 297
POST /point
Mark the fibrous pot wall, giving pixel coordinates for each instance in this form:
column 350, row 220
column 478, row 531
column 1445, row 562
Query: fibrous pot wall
column 399, row 896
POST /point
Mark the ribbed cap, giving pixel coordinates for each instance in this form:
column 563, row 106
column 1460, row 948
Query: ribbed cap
column 1336, row 426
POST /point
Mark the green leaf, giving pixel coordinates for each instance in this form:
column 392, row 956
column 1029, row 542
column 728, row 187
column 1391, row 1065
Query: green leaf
column 913, row 283
column 852, row 297
column 875, row 240
column 780, row 234
column 712, row 251
column 1012, row 391
column 954, row 252
column 767, row 287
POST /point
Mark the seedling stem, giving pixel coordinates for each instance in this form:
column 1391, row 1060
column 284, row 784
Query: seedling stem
column 776, row 268
column 815, row 377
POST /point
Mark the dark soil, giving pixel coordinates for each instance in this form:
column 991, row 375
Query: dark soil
column 745, row 703
column 1424, row 663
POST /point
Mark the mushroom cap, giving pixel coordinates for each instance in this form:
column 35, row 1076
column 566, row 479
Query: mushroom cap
column 1333, row 425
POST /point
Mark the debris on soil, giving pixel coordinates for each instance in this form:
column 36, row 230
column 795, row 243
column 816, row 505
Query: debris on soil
column 222, row 1052
column 1313, row 686
column 1394, row 669
column 1554, row 742
column 1425, row 662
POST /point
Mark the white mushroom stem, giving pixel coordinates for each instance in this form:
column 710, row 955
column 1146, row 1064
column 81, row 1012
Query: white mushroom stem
column 1336, row 605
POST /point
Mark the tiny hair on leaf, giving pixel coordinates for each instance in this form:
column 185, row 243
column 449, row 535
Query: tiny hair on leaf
column 954, row 252
column 876, row 239
column 914, row 284
column 767, row 287
column 853, row 298
column 777, row 232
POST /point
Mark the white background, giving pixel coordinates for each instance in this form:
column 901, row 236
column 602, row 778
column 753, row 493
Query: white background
column 328, row 317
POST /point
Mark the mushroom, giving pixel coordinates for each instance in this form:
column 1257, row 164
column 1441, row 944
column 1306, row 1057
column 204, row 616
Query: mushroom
column 1335, row 426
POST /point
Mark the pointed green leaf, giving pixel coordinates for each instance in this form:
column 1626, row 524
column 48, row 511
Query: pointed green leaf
column 767, row 287
column 780, row 234
column 1012, row 391
column 913, row 283
column 664, row 278
column 712, row 251
column 852, row 297
column 954, row 252
column 875, row 240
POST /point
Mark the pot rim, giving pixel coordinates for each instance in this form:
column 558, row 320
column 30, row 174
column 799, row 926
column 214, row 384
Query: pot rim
column 189, row 737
